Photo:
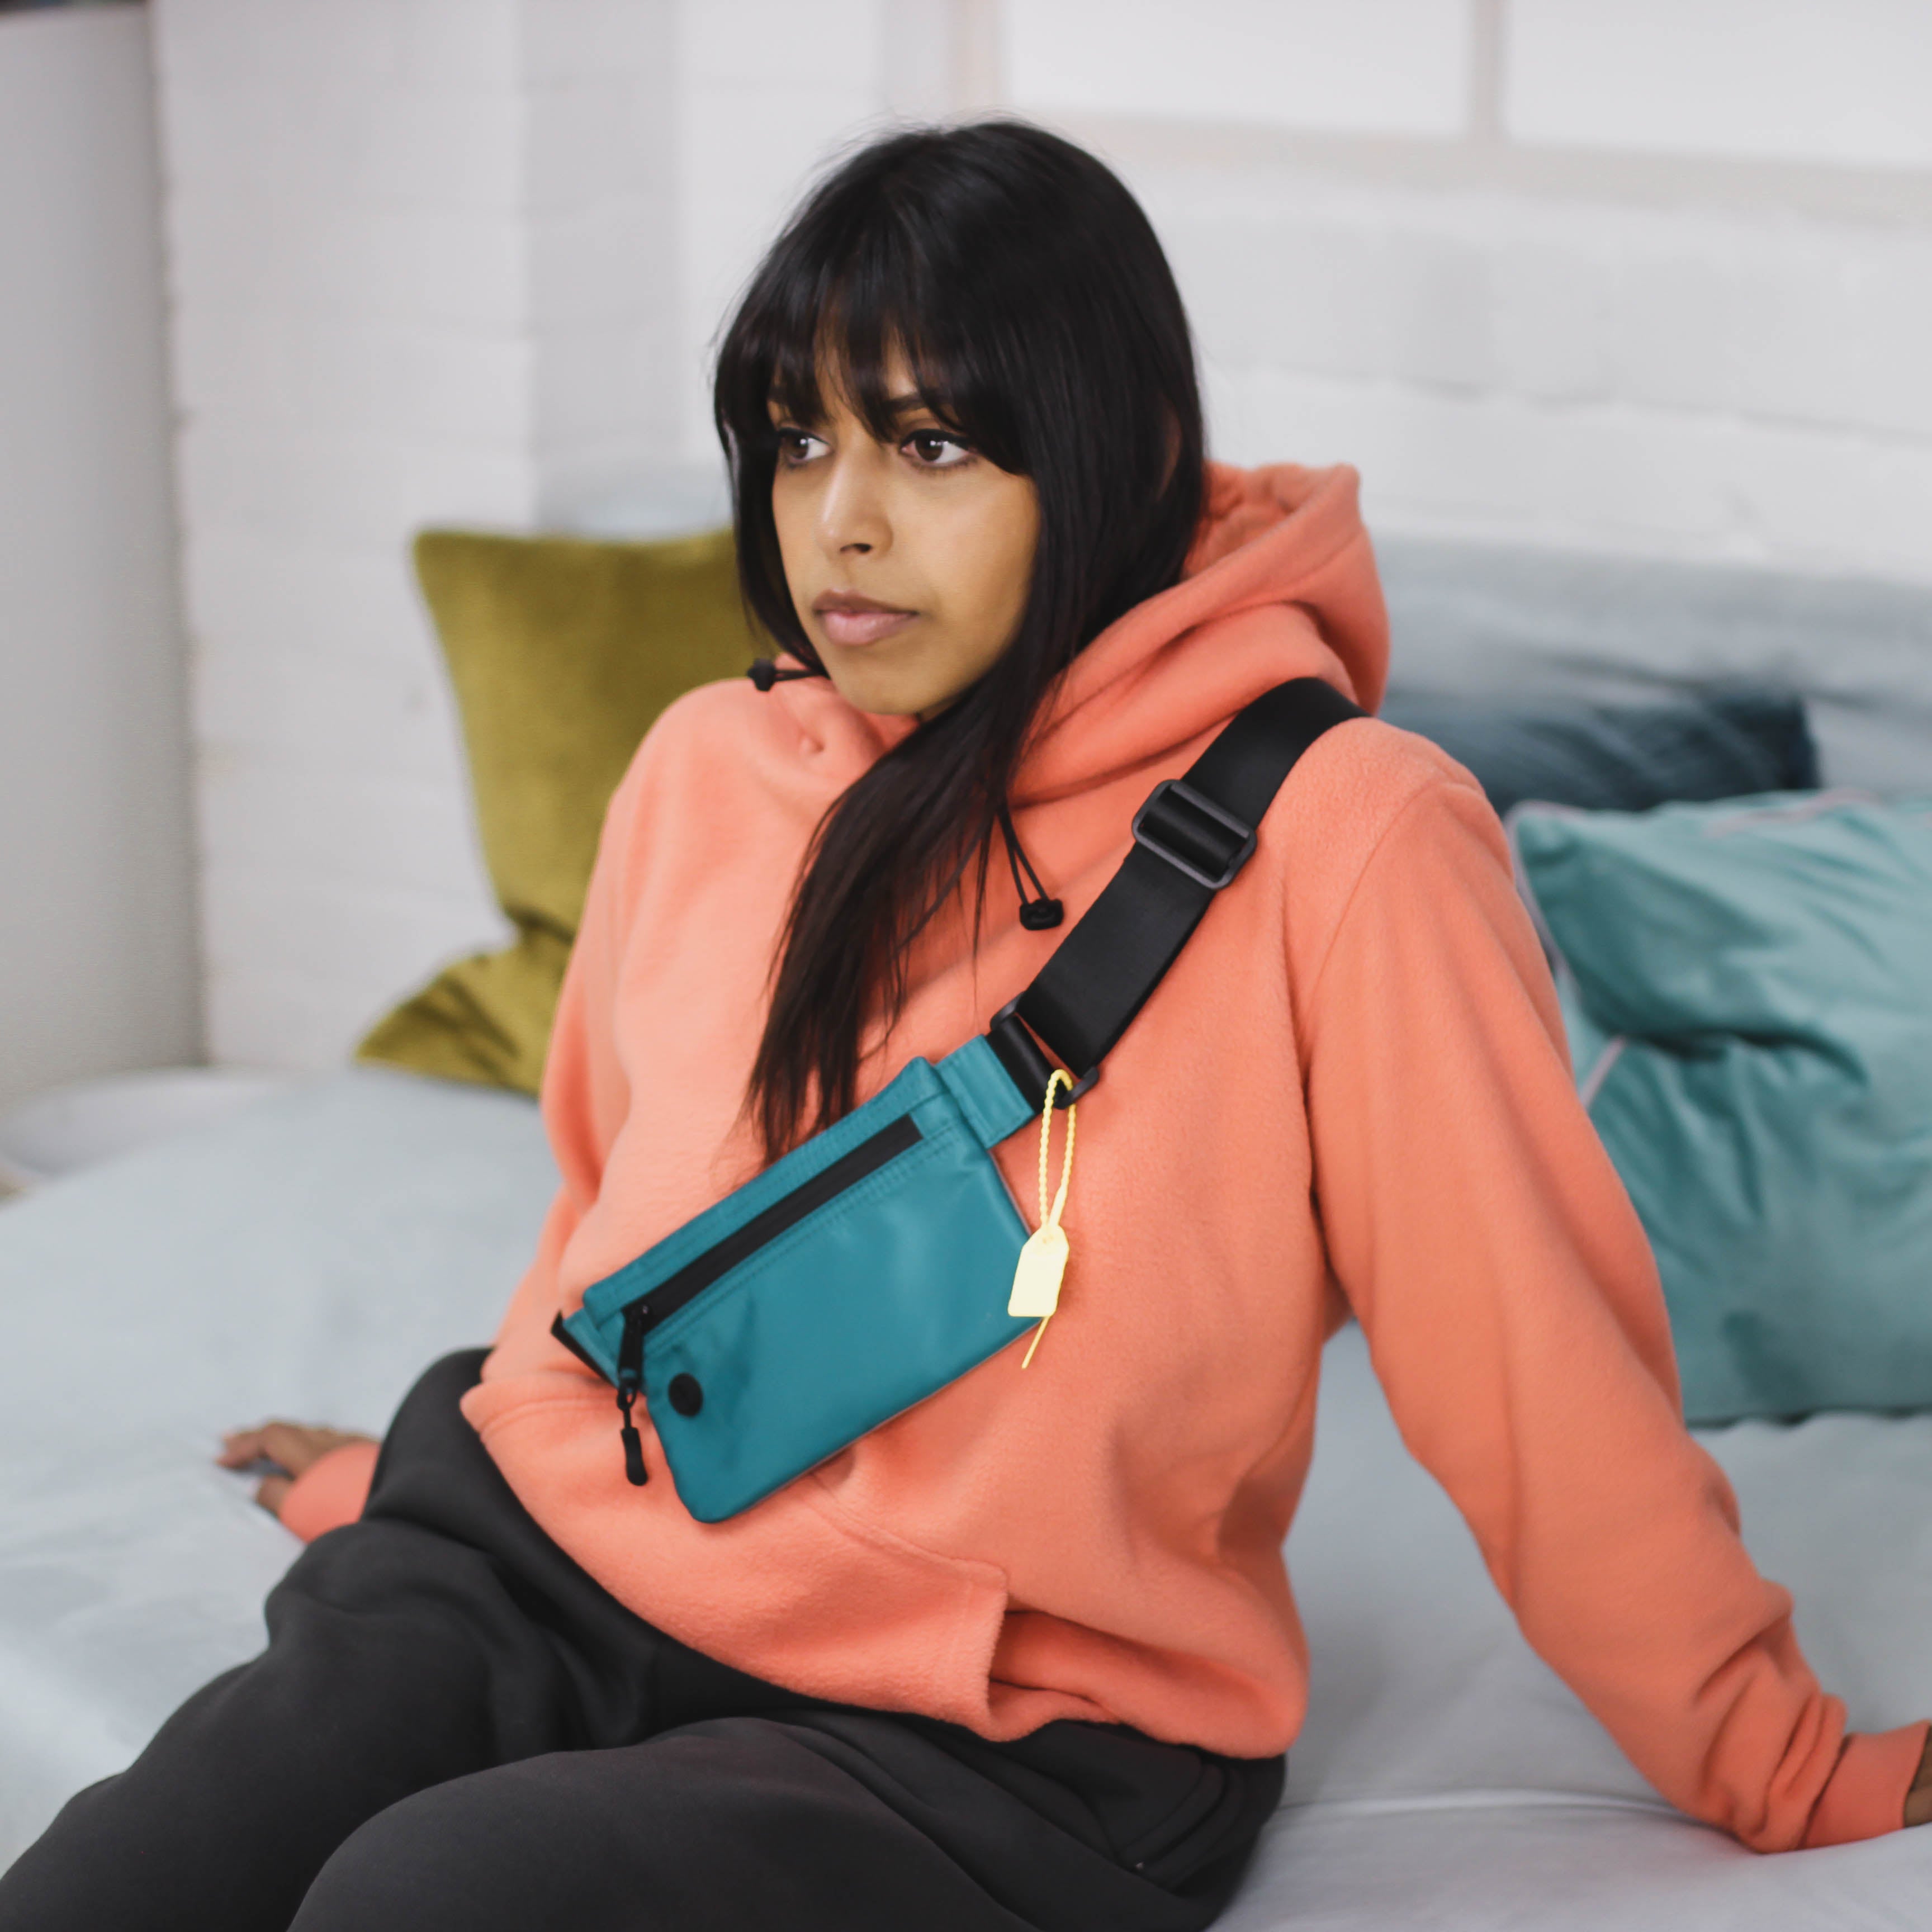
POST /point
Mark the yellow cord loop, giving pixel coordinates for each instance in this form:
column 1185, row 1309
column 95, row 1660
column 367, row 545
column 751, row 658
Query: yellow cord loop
column 1043, row 1260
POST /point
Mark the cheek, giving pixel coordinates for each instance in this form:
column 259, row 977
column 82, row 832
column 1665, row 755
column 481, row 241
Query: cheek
column 791, row 519
column 1005, row 562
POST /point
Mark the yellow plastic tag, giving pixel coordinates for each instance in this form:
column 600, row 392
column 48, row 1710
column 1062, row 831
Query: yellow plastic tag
column 1037, row 1280
column 1042, row 1262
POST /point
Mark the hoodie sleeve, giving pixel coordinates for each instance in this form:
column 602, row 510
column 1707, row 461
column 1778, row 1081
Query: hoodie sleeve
column 330, row 1492
column 585, row 1096
column 586, row 1092
column 1514, row 1315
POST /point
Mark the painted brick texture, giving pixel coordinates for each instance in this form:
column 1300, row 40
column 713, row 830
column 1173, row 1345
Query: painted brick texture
column 351, row 350
column 431, row 262
column 1743, row 384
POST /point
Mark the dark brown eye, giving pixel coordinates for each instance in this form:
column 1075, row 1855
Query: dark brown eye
column 796, row 446
column 933, row 449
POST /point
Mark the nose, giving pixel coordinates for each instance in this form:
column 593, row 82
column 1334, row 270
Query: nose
column 852, row 515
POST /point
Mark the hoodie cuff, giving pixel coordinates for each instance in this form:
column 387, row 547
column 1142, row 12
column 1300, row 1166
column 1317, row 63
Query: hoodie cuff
column 1865, row 1797
column 332, row 1489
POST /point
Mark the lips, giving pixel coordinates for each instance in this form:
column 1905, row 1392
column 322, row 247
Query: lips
column 848, row 619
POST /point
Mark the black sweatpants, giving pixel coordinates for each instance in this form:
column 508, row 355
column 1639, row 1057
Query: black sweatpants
column 453, row 1726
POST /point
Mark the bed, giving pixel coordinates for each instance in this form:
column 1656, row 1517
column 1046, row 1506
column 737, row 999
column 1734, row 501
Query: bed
column 308, row 1255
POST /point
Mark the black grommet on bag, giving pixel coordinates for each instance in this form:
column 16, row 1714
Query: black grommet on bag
column 686, row 1393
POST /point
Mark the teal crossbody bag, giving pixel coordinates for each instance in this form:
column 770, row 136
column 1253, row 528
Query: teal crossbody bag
column 871, row 1266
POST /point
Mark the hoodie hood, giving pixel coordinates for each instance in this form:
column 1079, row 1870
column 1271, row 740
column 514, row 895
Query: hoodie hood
column 1280, row 583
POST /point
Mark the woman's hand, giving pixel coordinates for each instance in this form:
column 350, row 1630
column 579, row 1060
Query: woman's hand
column 1919, row 1799
column 292, row 1447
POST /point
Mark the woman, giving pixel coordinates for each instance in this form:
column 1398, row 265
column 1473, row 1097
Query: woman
column 1025, row 1656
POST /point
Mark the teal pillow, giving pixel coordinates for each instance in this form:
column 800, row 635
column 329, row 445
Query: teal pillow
column 1749, row 988
column 1718, row 742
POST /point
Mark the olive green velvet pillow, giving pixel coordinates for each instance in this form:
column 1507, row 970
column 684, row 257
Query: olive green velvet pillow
column 562, row 652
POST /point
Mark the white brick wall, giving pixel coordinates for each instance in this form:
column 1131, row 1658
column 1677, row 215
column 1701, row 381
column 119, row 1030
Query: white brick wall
column 1685, row 380
column 1542, row 309
column 98, row 966
column 351, row 353
column 462, row 260
column 1371, row 66
column 435, row 261
column 767, row 88
column 601, row 241
column 1846, row 81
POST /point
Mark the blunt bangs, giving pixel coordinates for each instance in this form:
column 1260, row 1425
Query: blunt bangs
column 881, row 310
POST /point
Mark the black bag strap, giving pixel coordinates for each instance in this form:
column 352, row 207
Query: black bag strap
column 1191, row 838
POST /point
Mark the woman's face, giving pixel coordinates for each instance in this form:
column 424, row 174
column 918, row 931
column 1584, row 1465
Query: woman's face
column 908, row 561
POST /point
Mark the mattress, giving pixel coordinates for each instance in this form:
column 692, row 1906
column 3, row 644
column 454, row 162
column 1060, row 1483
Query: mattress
column 309, row 1255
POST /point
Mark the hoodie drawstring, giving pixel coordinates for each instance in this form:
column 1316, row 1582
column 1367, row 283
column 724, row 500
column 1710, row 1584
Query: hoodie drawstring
column 764, row 673
column 1039, row 913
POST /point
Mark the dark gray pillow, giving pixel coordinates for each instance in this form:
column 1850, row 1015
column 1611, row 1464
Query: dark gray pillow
column 1726, row 742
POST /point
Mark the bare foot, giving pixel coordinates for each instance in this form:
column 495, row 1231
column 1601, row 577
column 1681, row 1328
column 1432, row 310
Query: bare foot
column 293, row 1447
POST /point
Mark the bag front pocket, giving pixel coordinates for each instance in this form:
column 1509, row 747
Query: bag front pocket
column 766, row 1227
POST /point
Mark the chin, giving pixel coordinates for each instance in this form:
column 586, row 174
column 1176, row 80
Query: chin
column 885, row 704
column 882, row 697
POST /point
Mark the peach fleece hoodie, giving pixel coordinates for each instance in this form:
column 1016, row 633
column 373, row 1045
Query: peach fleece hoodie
column 1350, row 1095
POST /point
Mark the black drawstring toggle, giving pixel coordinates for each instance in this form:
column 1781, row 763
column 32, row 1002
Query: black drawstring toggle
column 1039, row 913
column 764, row 673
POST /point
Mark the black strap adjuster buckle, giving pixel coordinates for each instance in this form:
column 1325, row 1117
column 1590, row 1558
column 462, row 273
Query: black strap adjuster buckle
column 1025, row 1060
column 1193, row 834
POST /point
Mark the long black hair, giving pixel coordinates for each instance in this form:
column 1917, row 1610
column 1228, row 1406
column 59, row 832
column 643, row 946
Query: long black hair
column 1026, row 292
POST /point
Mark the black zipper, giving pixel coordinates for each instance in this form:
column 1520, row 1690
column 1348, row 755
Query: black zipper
column 665, row 1301
column 847, row 1171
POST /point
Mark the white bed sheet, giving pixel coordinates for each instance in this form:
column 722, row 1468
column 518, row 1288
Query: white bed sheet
column 305, row 1257
column 308, row 1257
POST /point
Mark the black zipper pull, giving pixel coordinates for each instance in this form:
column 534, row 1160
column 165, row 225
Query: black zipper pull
column 630, row 1380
